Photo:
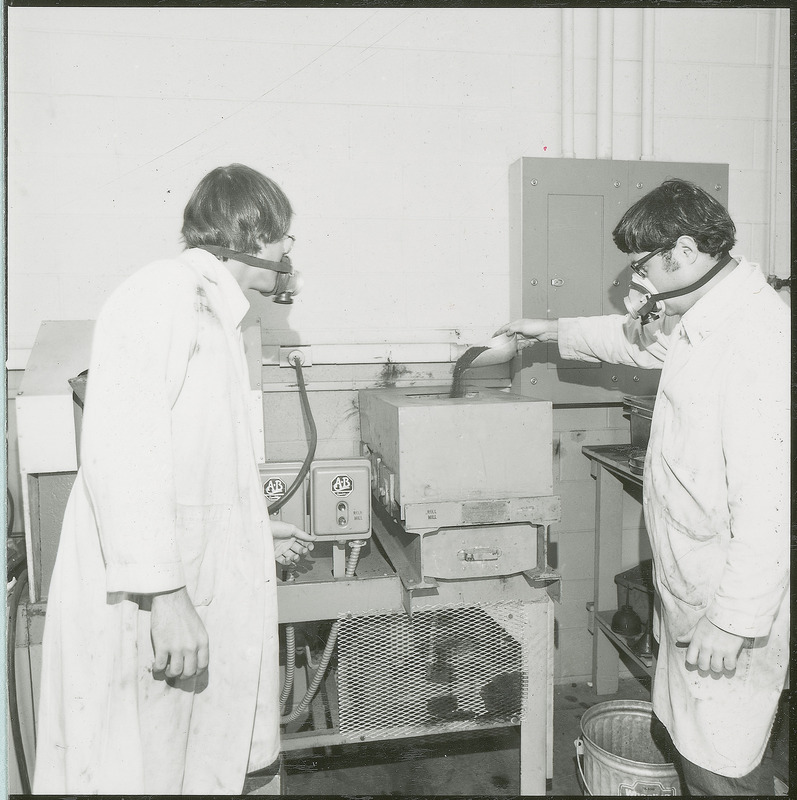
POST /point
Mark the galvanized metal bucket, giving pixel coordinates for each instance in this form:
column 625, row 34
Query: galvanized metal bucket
column 622, row 751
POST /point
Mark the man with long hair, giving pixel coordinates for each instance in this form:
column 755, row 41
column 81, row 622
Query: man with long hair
column 160, row 657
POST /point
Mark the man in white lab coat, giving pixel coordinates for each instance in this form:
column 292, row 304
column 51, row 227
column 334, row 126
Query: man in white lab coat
column 160, row 659
column 716, row 476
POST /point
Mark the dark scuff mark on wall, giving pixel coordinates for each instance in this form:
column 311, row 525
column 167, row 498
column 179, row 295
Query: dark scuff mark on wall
column 354, row 410
column 390, row 374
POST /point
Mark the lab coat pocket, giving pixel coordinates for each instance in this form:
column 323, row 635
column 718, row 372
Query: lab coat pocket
column 688, row 563
column 202, row 535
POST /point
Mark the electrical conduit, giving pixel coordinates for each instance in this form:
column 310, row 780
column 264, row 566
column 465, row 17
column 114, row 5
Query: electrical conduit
column 568, row 85
column 773, row 143
column 648, row 66
column 351, row 566
column 605, row 83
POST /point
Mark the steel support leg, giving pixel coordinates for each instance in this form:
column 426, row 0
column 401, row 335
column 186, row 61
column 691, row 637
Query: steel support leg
column 534, row 725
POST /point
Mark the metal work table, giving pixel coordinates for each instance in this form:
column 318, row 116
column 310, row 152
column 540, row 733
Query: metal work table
column 613, row 476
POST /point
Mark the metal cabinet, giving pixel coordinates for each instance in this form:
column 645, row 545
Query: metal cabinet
column 563, row 262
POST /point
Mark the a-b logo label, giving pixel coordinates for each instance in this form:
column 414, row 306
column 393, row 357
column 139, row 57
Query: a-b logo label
column 274, row 488
column 342, row 485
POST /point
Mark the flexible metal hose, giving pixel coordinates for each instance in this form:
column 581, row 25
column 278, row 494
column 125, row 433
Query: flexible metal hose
column 318, row 677
column 290, row 663
column 351, row 566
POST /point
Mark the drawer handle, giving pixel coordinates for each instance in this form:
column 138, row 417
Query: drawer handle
column 479, row 554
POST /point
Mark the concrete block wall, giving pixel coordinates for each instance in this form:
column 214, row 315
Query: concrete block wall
column 392, row 130
column 336, row 415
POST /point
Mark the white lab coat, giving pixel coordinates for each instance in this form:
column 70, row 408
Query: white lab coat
column 167, row 495
column 716, row 500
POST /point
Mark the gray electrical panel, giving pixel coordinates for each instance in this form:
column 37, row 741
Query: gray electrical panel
column 563, row 262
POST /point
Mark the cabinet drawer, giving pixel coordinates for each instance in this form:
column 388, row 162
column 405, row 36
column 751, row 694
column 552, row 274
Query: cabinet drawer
column 480, row 551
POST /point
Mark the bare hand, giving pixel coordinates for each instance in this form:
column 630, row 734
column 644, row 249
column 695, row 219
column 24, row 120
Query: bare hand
column 711, row 648
column 179, row 638
column 531, row 330
column 291, row 543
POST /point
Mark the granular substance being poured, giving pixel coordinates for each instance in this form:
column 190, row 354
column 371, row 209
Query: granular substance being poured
column 463, row 363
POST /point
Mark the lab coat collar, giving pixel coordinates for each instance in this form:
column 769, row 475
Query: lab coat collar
column 722, row 302
column 213, row 270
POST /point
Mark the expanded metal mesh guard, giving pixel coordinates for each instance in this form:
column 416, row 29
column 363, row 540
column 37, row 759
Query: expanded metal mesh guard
column 456, row 667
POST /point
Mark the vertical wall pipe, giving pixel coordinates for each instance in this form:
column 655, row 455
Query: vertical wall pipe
column 648, row 52
column 568, row 84
column 605, row 82
column 773, row 143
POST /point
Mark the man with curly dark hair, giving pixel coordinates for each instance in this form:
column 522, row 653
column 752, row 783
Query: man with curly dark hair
column 716, row 485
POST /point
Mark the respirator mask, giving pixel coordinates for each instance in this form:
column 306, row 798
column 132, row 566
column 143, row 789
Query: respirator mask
column 645, row 302
column 289, row 281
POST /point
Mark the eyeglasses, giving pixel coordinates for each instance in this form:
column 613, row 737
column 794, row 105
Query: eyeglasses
column 637, row 266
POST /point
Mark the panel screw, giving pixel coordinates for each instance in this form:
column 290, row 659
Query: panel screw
column 636, row 378
column 533, row 381
column 639, row 186
column 617, row 184
column 615, row 283
column 717, row 187
column 614, row 378
column 533, row 181
column 19, row 393
column 533, row 281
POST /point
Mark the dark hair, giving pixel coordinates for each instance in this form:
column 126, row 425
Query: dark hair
column 676, row 208
column 236, row 207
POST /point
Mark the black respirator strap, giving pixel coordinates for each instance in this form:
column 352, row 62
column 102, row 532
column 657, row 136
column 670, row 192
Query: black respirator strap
column 726, row 259
column 251, row 261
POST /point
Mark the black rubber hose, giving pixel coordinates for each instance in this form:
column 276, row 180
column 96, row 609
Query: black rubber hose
column 10, row 511
column 278, row 504
column 13, row 705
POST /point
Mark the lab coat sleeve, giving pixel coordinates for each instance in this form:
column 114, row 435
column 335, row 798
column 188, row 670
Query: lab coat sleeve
column 143, row 341
column 615, row 339
column 756, row 421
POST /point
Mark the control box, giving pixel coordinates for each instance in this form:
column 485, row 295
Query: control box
column 276, row 479
column 340, row 498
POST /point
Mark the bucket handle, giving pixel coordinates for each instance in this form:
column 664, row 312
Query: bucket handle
column 579, row 759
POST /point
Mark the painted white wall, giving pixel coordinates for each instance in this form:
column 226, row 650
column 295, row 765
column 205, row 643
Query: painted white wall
column 391, row 129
